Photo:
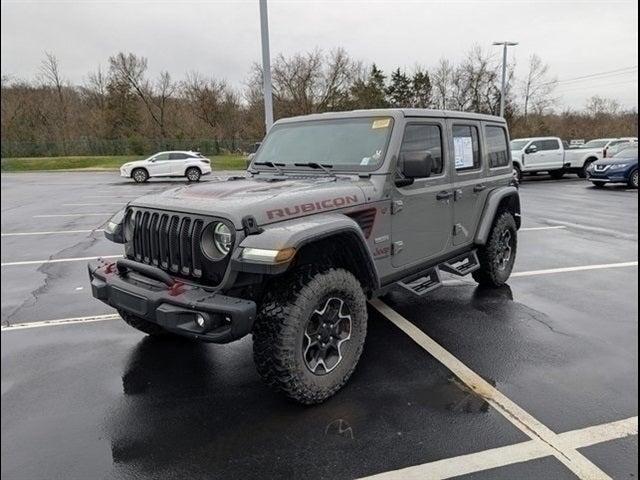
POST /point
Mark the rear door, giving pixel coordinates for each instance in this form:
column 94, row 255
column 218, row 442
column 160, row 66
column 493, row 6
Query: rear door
column 469, row 183
column 178, row 163
column 422, row 213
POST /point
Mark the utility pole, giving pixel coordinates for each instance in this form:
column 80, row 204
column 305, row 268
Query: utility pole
column 266, row 66
column 504, row 72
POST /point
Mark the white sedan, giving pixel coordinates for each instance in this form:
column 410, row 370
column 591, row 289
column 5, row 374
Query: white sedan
column 191, row 165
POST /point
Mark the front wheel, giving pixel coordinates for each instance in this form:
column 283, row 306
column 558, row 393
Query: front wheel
column 193, row 174
column 309, row 334
column 140, row 175
column 582, row 173
column 499, row 254
column 633, row 180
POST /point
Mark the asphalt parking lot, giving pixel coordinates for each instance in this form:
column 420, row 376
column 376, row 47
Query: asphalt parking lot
column 535, row 380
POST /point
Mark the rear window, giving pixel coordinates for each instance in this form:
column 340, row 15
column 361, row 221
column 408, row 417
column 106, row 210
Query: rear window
column 466, row 147
column 631, row 152
column 497, row 151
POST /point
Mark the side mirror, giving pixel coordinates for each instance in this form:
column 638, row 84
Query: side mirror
column 531, row 149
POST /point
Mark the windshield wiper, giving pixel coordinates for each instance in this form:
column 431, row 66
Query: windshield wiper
column 316, row 165
column 272, row 165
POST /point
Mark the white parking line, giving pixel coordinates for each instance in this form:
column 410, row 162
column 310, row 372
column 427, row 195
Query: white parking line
column 520, row 452
column 543, row 437
column 62, row 321
column 57, row 260
column 52, row 232
column 92, row 204
column 534, row 229
column 101, row 214
column 574, row 269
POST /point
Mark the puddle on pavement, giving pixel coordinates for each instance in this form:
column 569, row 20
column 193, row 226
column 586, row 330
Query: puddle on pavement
column 455, row 397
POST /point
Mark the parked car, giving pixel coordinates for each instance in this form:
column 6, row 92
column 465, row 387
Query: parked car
column 552, row 155
column 619, row 145
column 621, row 168
column 538, row 154
column 191, row 165
column 337, row 208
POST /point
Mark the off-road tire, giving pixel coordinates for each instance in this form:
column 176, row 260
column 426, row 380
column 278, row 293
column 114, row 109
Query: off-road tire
column 490, row 274
column 139, row 175
column 633, row 180
column 143, row 325
column 279, row 332
column 598, row 184
column 557, row 174
column 193, row 174
column 582, row 173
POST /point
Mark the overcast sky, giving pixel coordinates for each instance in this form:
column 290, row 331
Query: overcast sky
column 575, row 38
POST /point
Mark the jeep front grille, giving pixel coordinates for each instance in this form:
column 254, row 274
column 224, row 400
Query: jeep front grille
column 168, row 241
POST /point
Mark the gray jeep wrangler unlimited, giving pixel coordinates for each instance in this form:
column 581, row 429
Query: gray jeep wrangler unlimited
column 335, row 209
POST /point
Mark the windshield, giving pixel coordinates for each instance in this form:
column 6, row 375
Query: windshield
column 343, row 144
column 518, row 144
column 631, row 152
column 595, row 144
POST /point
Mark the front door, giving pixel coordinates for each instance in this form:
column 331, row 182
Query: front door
column 422, row 212
column 469, row 182
column 160, row 165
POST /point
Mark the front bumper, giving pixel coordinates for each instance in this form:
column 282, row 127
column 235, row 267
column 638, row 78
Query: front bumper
column 172, row 307
column 615, row 176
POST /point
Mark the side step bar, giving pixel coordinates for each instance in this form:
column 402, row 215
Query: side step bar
column 428, row 280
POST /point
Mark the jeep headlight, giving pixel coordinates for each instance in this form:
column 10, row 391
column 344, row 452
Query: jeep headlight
column 222, row 238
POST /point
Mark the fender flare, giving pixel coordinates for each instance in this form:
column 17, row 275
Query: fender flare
column 300, row 232
column 493, row 202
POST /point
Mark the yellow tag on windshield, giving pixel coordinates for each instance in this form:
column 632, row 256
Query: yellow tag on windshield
column 381, row 123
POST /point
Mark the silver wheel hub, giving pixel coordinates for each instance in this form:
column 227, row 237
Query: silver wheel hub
column 326, row 332
column 634, row 179
column 505, row 250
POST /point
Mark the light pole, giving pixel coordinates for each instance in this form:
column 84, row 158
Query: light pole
column 504, row 72
column 266, row 66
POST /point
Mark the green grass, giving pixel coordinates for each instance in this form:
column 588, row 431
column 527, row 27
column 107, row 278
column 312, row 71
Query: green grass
column 219, row 162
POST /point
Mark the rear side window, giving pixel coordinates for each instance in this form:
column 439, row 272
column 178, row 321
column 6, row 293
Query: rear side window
column 466, row 147
column 497, row 151
column 427, row 138
column 177, row 156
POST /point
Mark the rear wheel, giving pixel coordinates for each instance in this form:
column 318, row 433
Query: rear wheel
column 598, row 184
column 140, row 175
column 309, row 334
column 499, row 254
column 143, row 325
column 193, row 174
column 633, row 179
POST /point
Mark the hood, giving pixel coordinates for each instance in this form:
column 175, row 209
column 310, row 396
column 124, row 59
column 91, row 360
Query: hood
column 614, row 160
column 267, row 199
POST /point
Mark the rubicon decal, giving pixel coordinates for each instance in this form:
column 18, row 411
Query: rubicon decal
column 320, row 205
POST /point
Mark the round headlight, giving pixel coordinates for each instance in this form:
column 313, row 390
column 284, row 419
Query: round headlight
column 222, row 238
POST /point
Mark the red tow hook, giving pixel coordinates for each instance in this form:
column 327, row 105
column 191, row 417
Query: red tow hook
column 177, row 288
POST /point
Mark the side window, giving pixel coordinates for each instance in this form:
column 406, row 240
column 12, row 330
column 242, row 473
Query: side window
column 466, row 147
column 551, row 145
column 162, row 156
column 177, row 156
column 497, row 151
column 427, row 138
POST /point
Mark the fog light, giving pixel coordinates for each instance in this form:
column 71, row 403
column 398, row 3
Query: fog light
column 200, row 320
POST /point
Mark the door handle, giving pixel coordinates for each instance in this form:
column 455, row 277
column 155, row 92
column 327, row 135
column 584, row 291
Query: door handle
column 480, row 187
column 444, row 195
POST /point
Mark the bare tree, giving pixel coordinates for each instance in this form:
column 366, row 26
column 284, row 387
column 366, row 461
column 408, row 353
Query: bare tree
column 538, row 87
column 443, row 83
column 601, row 106
column 130, row 69
column 51, row 78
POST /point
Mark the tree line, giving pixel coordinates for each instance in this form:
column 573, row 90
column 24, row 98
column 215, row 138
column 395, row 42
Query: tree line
column 122, row 109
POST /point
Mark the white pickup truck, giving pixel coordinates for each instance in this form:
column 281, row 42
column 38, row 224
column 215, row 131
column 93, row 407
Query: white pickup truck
column 552, row 155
